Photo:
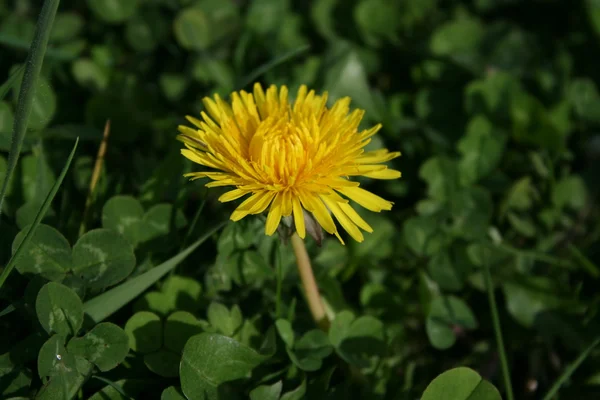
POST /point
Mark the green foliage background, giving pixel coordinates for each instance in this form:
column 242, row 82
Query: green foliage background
column 146, row 293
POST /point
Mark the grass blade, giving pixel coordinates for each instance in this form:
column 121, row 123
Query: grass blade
column 11, row 82
column 7, row 310
column 570, row 370
column 33, row 66
column 497, row 330
column 104, row 305
column 38, row 218
column 252, row 76
column 114, row 385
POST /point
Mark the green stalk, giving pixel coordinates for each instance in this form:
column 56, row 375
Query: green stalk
column 33, row 66
column 38, row 218
column 498, row 331
column 570, row 370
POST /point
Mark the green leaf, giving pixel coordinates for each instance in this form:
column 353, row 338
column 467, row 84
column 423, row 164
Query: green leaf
column 523, row 225
column 264, row 16
column 89, row 74
column 67, row 26
column 310, row 350
column 267, row 392
column 179, row 327
column 441, row 175
column 106, row 346
column 459, row 40
column 61, row 387
column 570, row 192
column 53, row 358
column 210, row 359
column 183, row 292
column 357, row 340
column 472, row 213
column 296, row 394
column 59, row 309
column 347, row 77
column 492, row 95
column 145, row 332
column 447, row 313
column 172, row 393
column 173, row 85
column 163, row 362
column 124, row 214
column 258, row 72
column 113, row 11
column 48, row 253
column 481, row 150
column 377, row 245
column 444, row 272
column 192, row 29
column 520, row 196
column 530, row 296
column 107, row 303
column 157, row 221
column 177, row 292
column 532, row 123
column 423, row 236
column 225, row 321
column 16, row 383
column 37, row 176
column 460, row 384
column 583, row 96
column 377, row 19
column 144, row 32
column 44, row 106
column 102, row 258
column 284, row 328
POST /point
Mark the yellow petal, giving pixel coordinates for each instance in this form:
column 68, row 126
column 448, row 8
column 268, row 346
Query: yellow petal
column 353, row 215
column 319, row 211
column 286, row 204
column 370, row 132
column 254, row 204
column 362, row 169
column 346, row 222
column 194, row 121
column 384, row 174
column 366, row 199
column 274, row 216
column 377, row 156
column 200, row 159
column 298, row 217
column 223, row 182
column 232, row 195
column 212, row 108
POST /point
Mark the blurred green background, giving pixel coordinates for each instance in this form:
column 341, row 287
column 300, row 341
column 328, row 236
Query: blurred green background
column 494, row 105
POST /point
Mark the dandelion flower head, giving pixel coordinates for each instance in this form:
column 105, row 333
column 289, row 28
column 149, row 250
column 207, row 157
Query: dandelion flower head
column 295, row 160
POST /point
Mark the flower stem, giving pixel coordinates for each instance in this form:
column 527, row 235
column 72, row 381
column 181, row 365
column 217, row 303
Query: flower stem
column 310, row 284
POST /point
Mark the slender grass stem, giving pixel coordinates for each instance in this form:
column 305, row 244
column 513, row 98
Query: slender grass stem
column 570, row 369
column 498, row 332
column 33, row 66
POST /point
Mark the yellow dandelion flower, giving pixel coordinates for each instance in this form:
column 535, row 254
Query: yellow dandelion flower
column 289, row 158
